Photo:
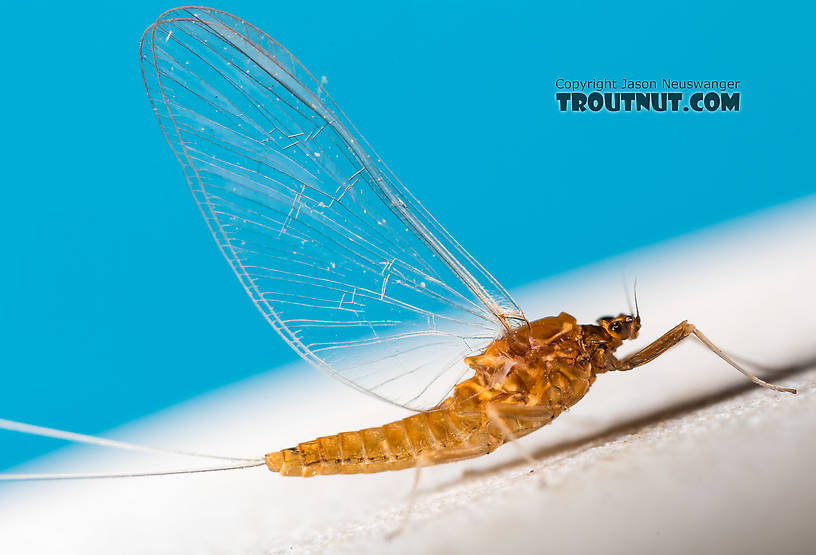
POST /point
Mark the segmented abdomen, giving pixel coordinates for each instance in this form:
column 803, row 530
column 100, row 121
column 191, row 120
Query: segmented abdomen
column 395, row 446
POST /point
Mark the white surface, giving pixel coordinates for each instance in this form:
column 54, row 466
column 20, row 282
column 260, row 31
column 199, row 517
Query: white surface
column 617, row 474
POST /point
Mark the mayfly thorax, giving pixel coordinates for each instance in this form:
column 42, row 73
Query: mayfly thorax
column 351, row 270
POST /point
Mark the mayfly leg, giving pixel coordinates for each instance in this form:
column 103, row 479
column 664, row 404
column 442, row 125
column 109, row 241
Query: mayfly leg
column 429, row 458
column 672, row 338
column 496, row 413
column 539, row 415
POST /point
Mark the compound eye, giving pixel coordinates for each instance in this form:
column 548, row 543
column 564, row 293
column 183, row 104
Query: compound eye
column 615, row 327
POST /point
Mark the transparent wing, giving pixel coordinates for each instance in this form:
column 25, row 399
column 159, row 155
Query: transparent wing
column 335, row 252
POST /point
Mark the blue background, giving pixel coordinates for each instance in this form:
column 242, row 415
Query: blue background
column 115, row 301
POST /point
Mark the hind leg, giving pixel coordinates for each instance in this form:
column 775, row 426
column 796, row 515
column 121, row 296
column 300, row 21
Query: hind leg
column 438, row 456
column 523, row 416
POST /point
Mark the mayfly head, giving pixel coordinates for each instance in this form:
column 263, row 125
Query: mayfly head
column 622, row 326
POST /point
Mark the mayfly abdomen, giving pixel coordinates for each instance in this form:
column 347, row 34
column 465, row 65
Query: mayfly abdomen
column 394, row 446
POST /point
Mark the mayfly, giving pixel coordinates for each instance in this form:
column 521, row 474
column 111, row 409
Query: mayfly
column 350, row 269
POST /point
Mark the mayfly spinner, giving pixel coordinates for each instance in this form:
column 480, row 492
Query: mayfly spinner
column 351, row 270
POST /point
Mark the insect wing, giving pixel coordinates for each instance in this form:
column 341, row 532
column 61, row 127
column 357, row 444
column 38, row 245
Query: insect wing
column 339, row 257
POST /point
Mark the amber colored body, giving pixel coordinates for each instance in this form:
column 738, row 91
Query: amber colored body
column 522, row 382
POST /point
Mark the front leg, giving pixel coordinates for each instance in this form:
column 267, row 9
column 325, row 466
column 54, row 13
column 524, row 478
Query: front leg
column 672, row 338
column 654, row 349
